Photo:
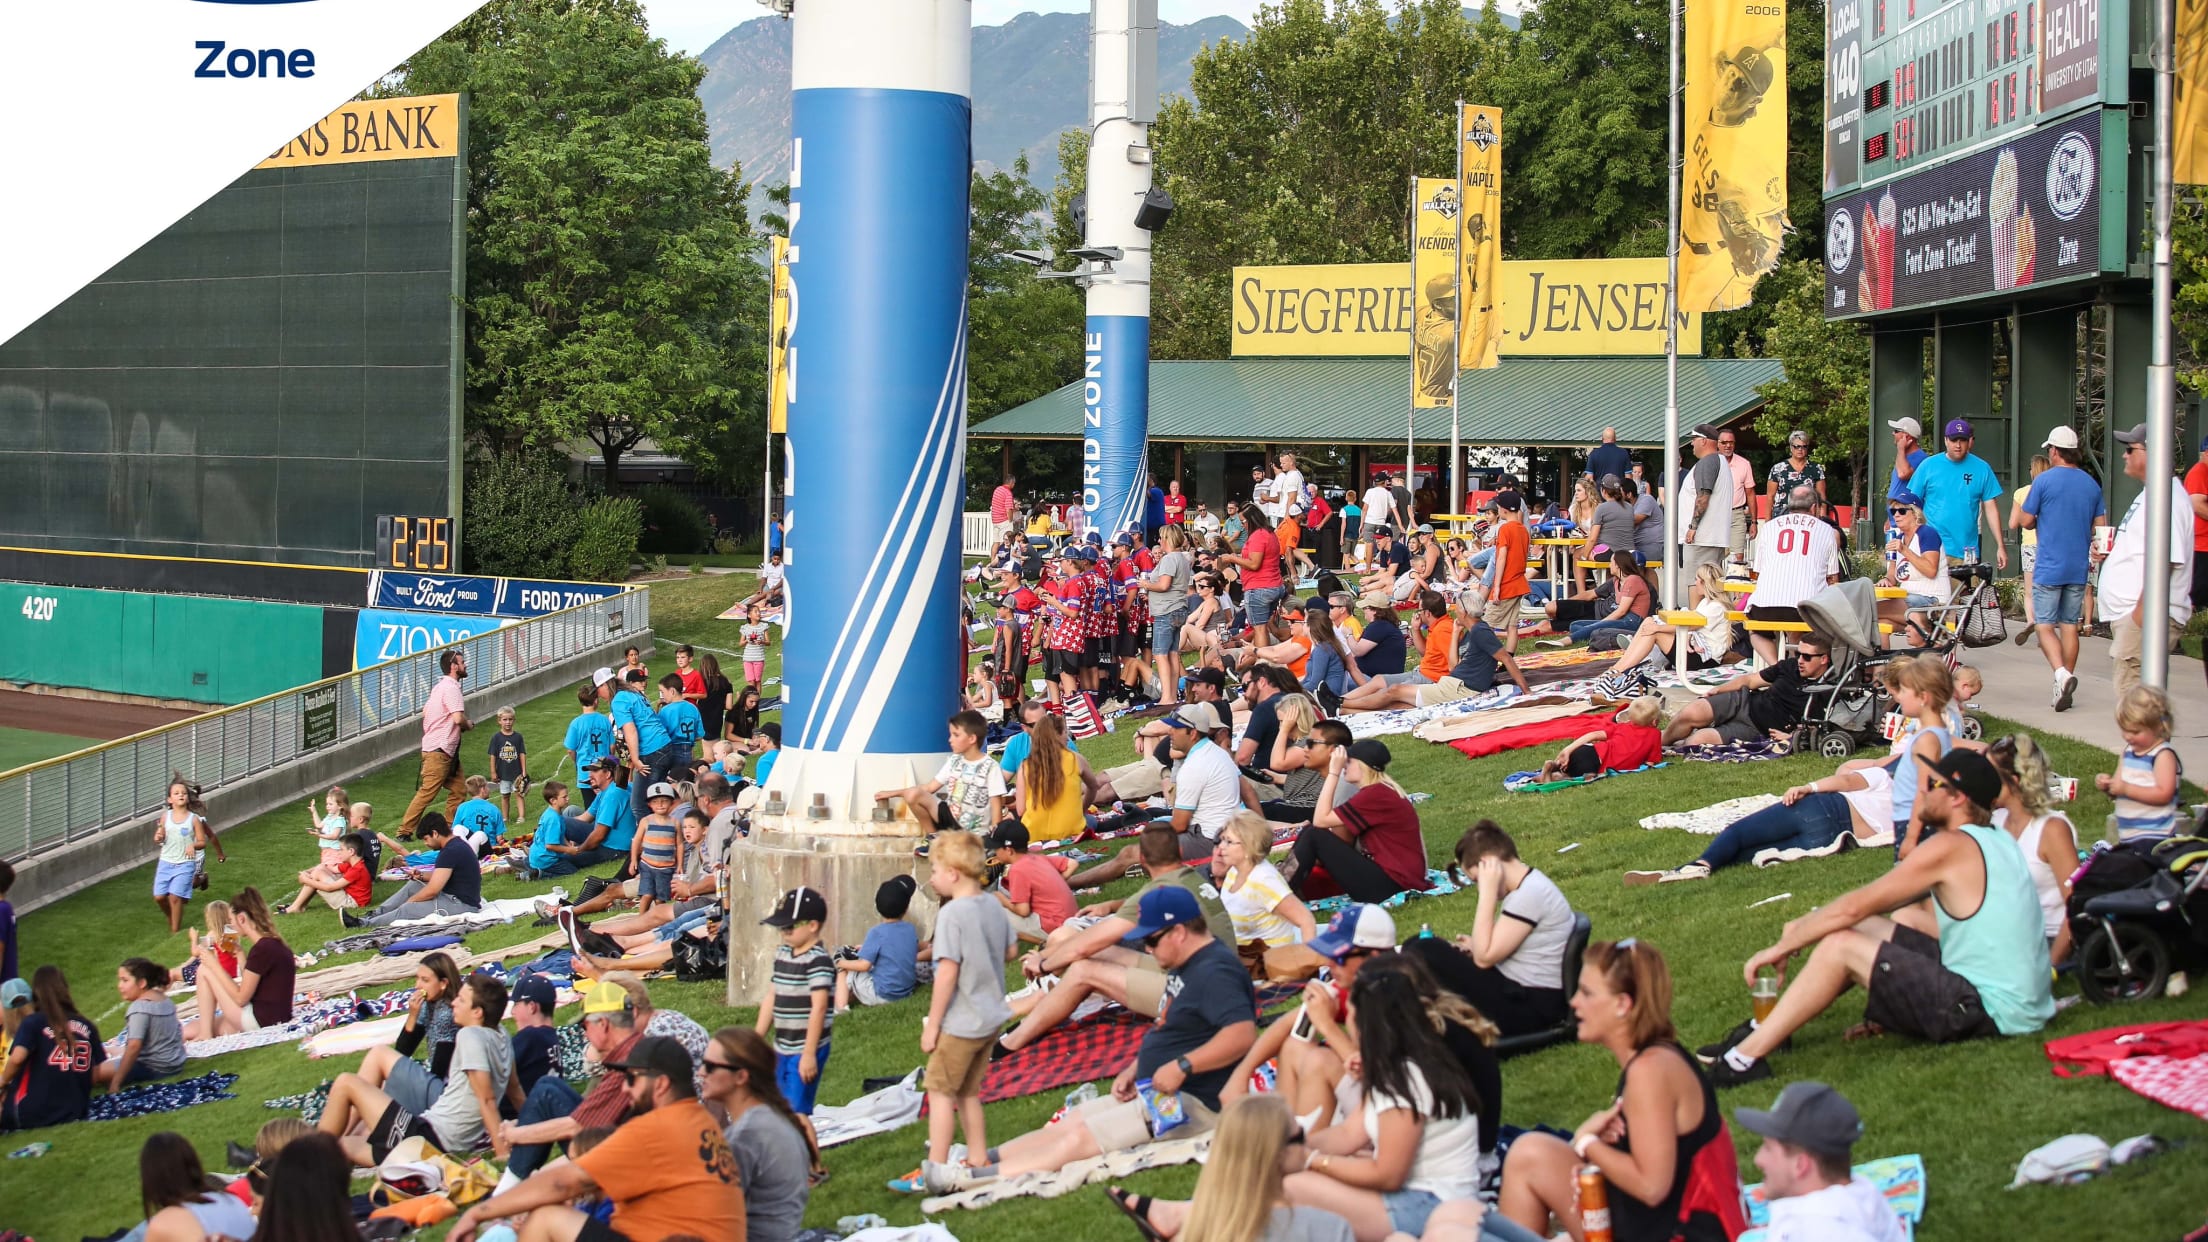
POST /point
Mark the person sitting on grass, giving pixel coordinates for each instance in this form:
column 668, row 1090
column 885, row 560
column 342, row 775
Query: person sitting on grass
column 1308, row 1045
column 1619, row 605
column 762, row 1133
column 1371, row 845
column 153, row 1040
column 1190, row 1053
column 261, row 994
column 1510, row 966
column 1633, row 739
column 1661, row 1144
column 1239, row 1195
column 182, row 1203
column 53, row 1063
column 1758, row 705
column 346, row 886
column 1851, row 808
column 451, row 885
column 1975, row 964
column 429, row 1022
column 533, row 1005
column 309, row 1194
column 1034, row 889
column 2050, row 844
column 1266, row 914
column 885, row 967
column 1092, row 955
column 464, row 1112
column 1807, row 1161
column 553, row 1112
column 1480, row 654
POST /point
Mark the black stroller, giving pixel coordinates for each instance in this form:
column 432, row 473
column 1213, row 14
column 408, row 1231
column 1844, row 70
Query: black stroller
column 1845, row 704
column 2136, row 910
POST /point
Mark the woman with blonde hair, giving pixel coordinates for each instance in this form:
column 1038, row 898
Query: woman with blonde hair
column 1706, row 647
column 1239, row 1195
column 1586, row 497
column 1048, row 789
column 1661, row 1133
column 1266, row 914
column 1371, row 844
column 1921, row 689
column 1331, row 669
column 2049, row 841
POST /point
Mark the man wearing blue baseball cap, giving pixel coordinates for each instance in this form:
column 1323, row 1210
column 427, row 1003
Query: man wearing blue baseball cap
column 1957, row 487
column 1210, row 1020
column 1306, row 1043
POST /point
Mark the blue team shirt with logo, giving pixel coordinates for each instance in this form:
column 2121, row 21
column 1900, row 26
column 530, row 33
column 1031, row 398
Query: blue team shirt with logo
column 682, row 722
column 611, row 808
column 550, row 832
column 479, row 815
column 1953, row 493
column 590, row 736
column 629, row 708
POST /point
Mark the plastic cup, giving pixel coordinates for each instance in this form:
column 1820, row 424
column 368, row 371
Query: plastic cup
column 1764, row 996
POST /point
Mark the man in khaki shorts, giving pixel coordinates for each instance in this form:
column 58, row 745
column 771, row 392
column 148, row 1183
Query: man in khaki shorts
column 1209, row 1021
column 1479, row 656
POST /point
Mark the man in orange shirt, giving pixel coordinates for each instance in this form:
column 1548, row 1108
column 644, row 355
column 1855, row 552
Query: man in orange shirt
column 667, row 1169
column 1401, row 689
column 1507, row 587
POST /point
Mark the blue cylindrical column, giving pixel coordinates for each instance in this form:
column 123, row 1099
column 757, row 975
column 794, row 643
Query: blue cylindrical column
column 1115, row 426
column 881, row 126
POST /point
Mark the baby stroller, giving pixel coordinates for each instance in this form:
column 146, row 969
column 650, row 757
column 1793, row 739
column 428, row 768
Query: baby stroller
column 1845, row 704
column 1971, row 617
column 2136, row 908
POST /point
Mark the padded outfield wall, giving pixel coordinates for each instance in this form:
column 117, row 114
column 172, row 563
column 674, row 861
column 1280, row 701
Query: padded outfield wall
column 268, row 375
column 194, row 648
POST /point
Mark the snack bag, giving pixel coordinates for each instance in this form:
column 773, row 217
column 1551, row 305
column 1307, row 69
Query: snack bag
column 1161, row 1108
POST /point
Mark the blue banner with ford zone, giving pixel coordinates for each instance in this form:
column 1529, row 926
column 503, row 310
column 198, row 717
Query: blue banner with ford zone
column 481, row 597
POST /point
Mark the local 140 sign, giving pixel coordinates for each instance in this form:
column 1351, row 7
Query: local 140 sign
column 2039, row 210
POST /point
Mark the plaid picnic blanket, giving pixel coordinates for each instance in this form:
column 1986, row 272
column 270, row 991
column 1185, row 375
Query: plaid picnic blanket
column 1075, row 1052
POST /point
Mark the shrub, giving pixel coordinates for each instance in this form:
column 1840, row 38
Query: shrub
column 673, row 523
column 605, row 541
column 520, row 518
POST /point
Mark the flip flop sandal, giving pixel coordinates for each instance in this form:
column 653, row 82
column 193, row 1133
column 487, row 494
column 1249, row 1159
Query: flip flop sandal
column 1137, row 1209
column 1861, row 1031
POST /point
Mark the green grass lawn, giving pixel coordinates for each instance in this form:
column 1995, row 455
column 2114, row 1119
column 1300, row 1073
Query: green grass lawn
column 1971, row 1110
column 22, row 746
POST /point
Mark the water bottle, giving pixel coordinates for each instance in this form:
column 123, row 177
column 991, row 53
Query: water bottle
column 1425, row 931
column 852, row 1224
column 1080, row 1095
column 32, row 1152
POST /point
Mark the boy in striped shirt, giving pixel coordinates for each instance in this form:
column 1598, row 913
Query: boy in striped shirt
column 797, row 1012
column 656, row 852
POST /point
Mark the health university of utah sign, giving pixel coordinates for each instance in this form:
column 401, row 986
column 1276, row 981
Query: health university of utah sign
column 1561, row 308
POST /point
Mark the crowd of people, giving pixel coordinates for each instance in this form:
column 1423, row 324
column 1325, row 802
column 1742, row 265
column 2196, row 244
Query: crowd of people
column 1371, row 1108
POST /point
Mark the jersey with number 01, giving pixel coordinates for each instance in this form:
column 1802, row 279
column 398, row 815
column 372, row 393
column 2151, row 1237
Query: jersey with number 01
column 1795, row 555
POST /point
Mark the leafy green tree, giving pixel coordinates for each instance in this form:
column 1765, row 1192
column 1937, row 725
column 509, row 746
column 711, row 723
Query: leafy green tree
column 1024, row 334
column 1827, row 389
column 613, row 291
column 2189, row 275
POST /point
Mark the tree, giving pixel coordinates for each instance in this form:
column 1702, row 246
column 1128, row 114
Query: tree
column 2189, row 296
column 1023, row 334
column 613, row 291
column 1827, row 389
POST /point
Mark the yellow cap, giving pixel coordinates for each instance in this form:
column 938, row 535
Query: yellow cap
column 605, row 998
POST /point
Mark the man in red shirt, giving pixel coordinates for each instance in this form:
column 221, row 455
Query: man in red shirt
column 1002, row 504
column 2196, row 490
column 1507, row 587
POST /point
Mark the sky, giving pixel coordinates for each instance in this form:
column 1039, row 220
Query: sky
column 692, row 25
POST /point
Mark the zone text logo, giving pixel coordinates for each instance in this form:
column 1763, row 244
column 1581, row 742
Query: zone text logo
column 223, row 61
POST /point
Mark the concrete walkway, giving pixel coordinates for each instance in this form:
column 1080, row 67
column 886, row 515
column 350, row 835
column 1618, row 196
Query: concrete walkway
column 2018, row 683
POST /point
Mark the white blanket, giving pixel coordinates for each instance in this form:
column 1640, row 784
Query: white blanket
column 1711, row 820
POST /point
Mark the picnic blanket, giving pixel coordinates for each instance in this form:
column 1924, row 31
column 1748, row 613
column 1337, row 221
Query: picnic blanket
column 2094, row 1053
column 2174, row 1082
column 1713, row 819
column 1111, row 1166
column 149, row 1098
column 1533, row 710
column 1074, row 1052
column 1899, row 1178
column 1438, row 884
column 354, row 1037
column 1751, row 751
column 1531, row 782
column 1538, row 733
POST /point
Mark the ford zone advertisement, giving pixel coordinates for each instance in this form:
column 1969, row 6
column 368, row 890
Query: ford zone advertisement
column 2022, row 215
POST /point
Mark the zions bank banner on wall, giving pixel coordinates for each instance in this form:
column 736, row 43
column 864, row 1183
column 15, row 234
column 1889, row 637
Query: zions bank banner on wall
column 382, row 634
column 480, row 597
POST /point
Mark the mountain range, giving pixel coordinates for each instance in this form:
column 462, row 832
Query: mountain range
column 1030, row 81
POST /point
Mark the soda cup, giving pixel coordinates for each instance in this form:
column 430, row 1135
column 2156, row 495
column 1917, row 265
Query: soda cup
column 1594, row 1205
column 1892, row 726
column 2104, row 540
column 1764, row 996
column 2067, row 787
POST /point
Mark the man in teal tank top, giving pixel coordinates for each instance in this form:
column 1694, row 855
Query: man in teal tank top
column 1974, row 963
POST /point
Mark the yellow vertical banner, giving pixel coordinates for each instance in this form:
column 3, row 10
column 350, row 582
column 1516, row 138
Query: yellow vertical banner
column 1434, row 212
column 1480, row 239
column 2189, row 157
column 778, row 339
column 1732, row 205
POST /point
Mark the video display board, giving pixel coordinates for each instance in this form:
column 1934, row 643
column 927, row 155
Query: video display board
column 2044, row 208
column 1909, row 83
column 267, row 376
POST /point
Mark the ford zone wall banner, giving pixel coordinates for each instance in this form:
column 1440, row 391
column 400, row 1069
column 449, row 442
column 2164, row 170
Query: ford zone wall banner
column 222, row 83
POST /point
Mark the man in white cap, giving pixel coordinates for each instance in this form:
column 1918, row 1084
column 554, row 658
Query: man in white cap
column 1907, row 454
column 1806, row 1160
column 2063, row 506
column 2124, row 572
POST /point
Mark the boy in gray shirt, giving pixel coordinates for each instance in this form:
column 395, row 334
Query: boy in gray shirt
column 973, row 940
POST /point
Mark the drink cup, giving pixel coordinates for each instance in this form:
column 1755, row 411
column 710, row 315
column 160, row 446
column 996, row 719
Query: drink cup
column 2067, row 786
column 2104, row 540
column 1892, row 726
column 1764, row 997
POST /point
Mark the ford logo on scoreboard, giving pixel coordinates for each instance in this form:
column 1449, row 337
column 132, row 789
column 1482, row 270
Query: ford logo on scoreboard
column 434, row 593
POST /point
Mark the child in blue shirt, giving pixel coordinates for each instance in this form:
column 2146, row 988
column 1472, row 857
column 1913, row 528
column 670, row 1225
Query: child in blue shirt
column 679, row 716
column 590, row 735
column 549, row 851
column 886, row 967
column 478, row 821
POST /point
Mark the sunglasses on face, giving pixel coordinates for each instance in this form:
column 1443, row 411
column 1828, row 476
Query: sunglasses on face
column 1934, row 782
column 725, row 1067
column 1151, row 941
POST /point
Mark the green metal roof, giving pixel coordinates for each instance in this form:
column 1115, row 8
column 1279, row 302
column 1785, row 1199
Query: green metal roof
column 1527, row 402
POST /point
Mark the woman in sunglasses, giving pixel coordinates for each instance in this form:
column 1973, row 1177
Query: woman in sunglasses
column 1661, row 1144
column 772, row 1158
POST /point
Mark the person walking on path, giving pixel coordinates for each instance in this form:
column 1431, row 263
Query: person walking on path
column 2063, row 506
column 1959, row 489
column 1744, row 492
column 2196, row 491
column 2124, row 570
column 444, row 719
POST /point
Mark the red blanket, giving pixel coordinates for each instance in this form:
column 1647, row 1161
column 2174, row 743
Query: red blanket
column 1516, row 736
column 2096, row 1052
column 1080, row 1052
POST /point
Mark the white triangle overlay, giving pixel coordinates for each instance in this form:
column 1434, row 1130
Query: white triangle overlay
column 108, row 136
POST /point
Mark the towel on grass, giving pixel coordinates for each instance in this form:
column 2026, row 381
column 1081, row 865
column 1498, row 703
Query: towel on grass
column 1111, row 1166
column 1074, row 1052
column 2174, row 1082
column 1899, row 1178
column 877, row 1112
column 1713, row 819
column 1736, row 752
column 149, row 1098
column 1523, row 712
column 1438, row 884
column 1531, row 782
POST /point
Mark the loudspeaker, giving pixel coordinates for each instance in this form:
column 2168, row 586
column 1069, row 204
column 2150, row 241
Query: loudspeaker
column 1157, row 207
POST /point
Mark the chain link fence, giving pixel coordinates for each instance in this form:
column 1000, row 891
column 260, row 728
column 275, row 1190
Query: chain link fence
column 46, row 806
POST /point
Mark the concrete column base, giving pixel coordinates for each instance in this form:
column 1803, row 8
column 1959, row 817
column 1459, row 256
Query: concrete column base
column 835, row 846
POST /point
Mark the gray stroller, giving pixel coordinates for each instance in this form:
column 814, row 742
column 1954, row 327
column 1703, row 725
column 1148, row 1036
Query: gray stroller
column 1846, row 703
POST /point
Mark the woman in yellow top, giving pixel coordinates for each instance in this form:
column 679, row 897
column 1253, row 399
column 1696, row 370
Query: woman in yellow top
column 1048, row 790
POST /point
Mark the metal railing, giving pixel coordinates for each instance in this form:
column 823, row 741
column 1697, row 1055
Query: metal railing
column 49, row 805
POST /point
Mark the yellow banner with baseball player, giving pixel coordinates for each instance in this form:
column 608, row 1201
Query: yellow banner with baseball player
column 2190, row 157
column 418, row 127
column 778, row 339
column 1480, row 241
column 1732, row 196
column 1434, row 212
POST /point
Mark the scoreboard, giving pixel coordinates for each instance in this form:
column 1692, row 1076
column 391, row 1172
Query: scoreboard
column 1909, row 83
